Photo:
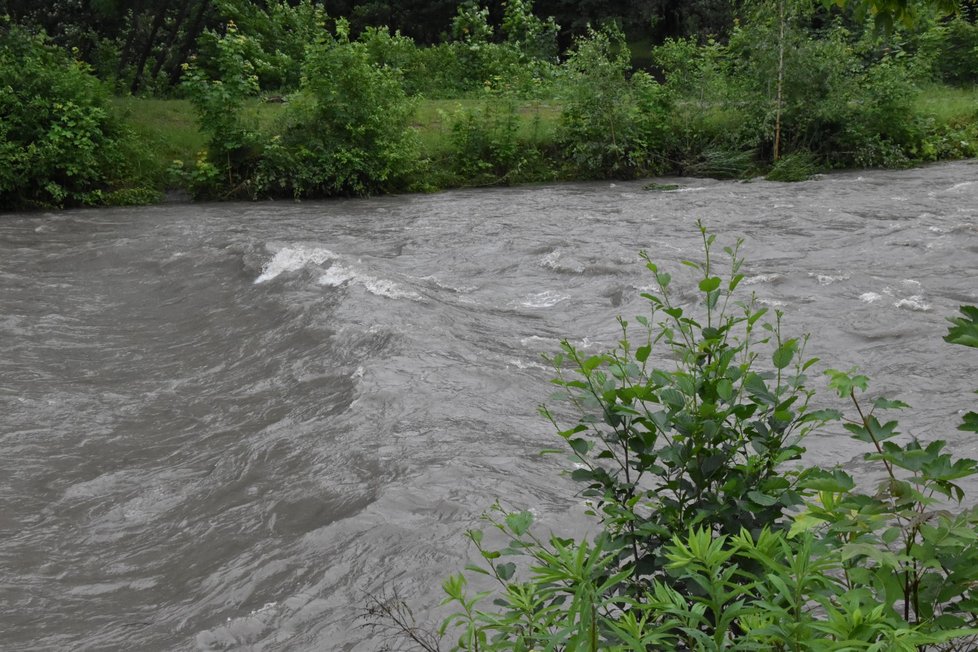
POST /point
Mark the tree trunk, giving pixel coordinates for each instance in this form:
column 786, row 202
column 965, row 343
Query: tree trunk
column 188, row 42
column 130, row 39
column 148, row 46
column 779, row 99
column 171, row 39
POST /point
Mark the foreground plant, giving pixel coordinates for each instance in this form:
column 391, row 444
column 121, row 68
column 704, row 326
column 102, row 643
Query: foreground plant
column 687, row 442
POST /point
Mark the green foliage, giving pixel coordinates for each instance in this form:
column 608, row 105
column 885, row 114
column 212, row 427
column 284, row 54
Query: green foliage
column 950, row 51
column 271, row 39
column 664, row 448
column 218, row 97
column 59, row 142
column 471, row 23
column 797, row 166
column 613, row 124
column 345, row 133
column 844, row 98
column 534, row 37
column 489, row 144
column 712, row 537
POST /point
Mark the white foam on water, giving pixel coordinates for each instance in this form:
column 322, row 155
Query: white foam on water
column 916, row 303
column 534, row 340
column 870, row 297
column 825, row 279
column 544, row 299
column 761, row 278
column 520, row 364
column 552, row 261
column 290, row 259
column 459, row 289
column 774, row 303
column 338, row 275
column 959, row 186
column 385, row 288
column 910, row 283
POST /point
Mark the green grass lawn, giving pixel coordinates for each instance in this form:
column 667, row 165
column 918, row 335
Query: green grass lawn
column 169, row 130
column 948, row 104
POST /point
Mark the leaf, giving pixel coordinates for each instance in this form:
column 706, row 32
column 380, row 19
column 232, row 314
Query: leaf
column 519, row 522
column 803, row 522
column 642, row 353
column 785, row 353
column 506, row 571
column 761, row 499
column 965, row 329
column 836, row 481
column 822, row 415
column 579, row 445
column 970, row 422
column 886, row 404
column 582, row 475
column 591, row 363
column 710, row 284
column 725, row 389
column 844, row 383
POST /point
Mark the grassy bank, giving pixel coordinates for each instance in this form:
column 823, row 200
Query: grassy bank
column 169, row 132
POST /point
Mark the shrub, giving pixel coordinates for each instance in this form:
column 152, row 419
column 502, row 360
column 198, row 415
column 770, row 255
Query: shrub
column 950, row 51
column 218, row 93
column 271, row 37
column 345, row 133
column 488, row 145
column 797, row 166
column 59, row 143
column 612, row 124
column 708, row 540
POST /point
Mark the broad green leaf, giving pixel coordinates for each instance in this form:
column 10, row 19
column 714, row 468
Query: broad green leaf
column 579, row 445
column 785, row 353
column 519, row 522
column 761, row 499
column 642, row 353
column 506, row 571
column 803, row 522
column 970, row 422
column 836, row 481
column 822, row 415
column 710, row 284
column 965, row 329
column 725, row 389
column 887, row 404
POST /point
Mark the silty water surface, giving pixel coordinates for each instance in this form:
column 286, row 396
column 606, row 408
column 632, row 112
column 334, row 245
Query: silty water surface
column 224, row 425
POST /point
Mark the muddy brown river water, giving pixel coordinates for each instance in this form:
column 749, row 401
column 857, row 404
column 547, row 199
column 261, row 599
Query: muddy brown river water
column 223, row 425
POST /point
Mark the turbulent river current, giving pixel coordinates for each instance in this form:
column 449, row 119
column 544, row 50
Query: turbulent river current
column 223, row 426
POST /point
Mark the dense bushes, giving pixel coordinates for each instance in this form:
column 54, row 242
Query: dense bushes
column 345, row 133
column 837, row 96
column 60, row 145
column 791, row 81
column 686, row 442
column 613, row 124
column 950, row 51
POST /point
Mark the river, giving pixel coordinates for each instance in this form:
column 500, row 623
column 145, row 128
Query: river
column 224, row 425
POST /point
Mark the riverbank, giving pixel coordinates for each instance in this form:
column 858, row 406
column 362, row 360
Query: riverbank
column 169, row 134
